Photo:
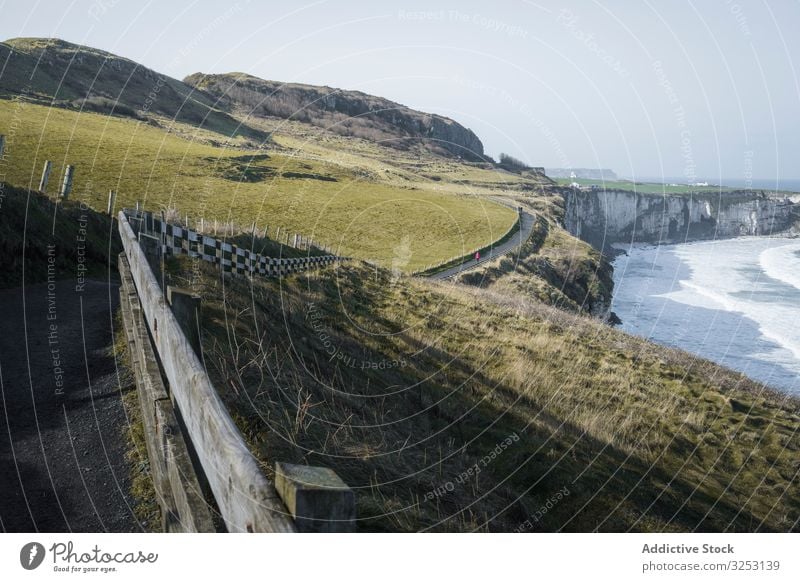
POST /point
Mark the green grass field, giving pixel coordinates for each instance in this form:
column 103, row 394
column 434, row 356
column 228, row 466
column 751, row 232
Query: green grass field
column 404, row 226
column 643, row 187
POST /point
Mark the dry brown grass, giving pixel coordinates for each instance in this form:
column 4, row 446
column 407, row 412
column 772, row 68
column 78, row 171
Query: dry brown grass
column 643, row 437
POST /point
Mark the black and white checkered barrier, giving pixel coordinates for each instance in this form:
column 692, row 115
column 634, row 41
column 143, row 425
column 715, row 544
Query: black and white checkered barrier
column 177, row 240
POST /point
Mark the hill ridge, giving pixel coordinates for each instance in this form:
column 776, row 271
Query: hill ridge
column 59, row 73
column 65, row 74
column 347, row 112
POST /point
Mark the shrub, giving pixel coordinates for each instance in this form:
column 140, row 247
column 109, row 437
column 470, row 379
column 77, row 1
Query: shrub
column 512, row 164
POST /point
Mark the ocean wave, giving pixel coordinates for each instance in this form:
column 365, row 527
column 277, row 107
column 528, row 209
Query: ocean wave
column 782, row 264
column 758, row 279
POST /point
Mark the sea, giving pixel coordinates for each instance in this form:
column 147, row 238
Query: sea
column 735, row 301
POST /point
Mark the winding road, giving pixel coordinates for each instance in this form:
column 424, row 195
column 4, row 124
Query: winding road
column 527, row 220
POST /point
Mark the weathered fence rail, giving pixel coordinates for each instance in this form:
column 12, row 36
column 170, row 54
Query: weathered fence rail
column 177, row 487
column 247, row 500
column 180, row 240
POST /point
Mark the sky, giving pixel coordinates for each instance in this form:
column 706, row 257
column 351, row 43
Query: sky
column 690, row 89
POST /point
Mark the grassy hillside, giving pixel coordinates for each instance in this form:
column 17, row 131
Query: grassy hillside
column 341, row 112
column 446, row 407
column 60, row 73
column 403, row 223
column 459, row 409
column 35, row 231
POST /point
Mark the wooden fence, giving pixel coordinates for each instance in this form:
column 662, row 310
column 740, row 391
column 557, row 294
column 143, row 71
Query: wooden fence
column 247, row 500
column 175, row 481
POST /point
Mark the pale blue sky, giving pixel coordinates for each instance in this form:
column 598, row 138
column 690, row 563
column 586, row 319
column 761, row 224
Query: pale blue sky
column 646, row 88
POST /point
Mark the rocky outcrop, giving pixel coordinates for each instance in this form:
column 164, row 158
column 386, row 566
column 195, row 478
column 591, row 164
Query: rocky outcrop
column 348, row 113
column 603, row 217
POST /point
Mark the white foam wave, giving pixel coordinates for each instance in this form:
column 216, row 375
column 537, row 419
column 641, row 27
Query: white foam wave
column 782, row 263
column 728, row 275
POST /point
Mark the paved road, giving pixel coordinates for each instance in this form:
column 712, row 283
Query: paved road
column 527, row 221
column 62, row 465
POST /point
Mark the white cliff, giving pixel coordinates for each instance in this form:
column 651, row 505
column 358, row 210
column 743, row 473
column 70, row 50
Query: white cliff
column 605, row 217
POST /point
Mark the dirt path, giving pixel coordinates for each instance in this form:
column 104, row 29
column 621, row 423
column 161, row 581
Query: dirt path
column 62, row 465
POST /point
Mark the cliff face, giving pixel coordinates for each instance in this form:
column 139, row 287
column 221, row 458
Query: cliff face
column 605, row 217
column 349, row 113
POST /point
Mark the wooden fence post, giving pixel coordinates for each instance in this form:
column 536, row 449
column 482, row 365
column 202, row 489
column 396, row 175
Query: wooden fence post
column 66, row 185
column 186, row 308
column 318, row 500
column 112, row 198
column 2, row 145
column 48, row 165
